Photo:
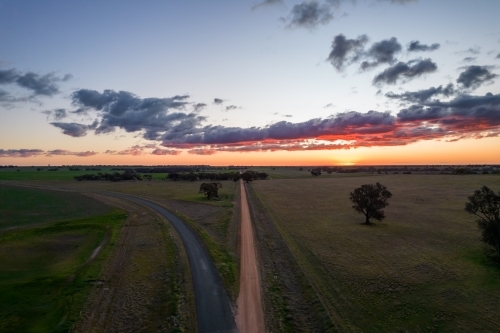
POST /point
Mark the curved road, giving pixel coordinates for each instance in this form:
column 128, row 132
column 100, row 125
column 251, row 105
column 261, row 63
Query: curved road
column 213, row 312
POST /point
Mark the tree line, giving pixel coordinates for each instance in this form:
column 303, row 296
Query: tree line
column 211, row 190
column 247, row 176
column 114, row 177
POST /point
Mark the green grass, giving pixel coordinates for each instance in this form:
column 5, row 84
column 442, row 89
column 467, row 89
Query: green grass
column 46, row 240
column 45, row 272
column 23, row 206
column 172, row 190
column 422, row 269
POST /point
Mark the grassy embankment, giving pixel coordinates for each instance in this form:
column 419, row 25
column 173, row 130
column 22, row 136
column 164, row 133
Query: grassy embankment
column 45, row 246
column 422, row 269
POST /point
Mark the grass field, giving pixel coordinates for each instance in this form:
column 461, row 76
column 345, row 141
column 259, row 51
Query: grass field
column 214, row 220
column 31, row 173
column 422, row 269
column 45, row 269
column 20, row 206
column 171, row 190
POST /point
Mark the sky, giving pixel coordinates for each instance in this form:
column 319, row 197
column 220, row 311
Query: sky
column 271, row 82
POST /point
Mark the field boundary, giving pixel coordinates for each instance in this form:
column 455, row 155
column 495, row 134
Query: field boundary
column 321, row 315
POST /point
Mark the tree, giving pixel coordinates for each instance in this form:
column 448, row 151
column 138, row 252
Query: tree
column 211, row 190
column 316, row 172
column 485, row 204
column 369, row 200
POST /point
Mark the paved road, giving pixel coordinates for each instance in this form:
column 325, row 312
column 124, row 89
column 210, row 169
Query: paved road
column 213, row 312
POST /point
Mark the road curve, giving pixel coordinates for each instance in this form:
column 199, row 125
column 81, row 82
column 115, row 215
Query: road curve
column 213, row 311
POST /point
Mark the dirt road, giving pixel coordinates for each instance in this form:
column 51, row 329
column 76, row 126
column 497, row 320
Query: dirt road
column 250, row 317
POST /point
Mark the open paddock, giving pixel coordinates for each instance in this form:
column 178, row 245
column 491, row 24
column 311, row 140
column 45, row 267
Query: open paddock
column 423, row 268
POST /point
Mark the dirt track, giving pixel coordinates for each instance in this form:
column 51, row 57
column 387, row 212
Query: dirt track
column 250, row 317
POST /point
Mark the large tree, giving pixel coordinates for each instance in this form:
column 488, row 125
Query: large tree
column 211, row 190
column 369, row 200
column 485, row 204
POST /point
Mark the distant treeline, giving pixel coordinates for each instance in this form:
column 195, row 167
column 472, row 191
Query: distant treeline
column 86, row 169
column 174, row 176
column 162, row 169
column 248, row 175
column 405, row 170
column 114, row 177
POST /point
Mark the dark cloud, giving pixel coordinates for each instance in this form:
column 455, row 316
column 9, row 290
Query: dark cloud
column 232, row 107
column 419, row 112
column 469, row 59
column 71, row 153
column 218, row 101
column 127, row 111
column 199, row 106
column 343, row 123
column 20, row 152
column 75, row 129
column 382, row 52
column 159, row 151
column 67, row 77
column 423, row 95
column 346, row 51
column 267, row 3
column 133, row 151
column 405, row 71
column 60, row 114
column 39, row 84
column 139, row 150
column 57, row 114
column 498, row 56
column 309, row 14
column 8, row 76
column 474, row 76
column 415, row 46
column 201, row 151
column 463, row 117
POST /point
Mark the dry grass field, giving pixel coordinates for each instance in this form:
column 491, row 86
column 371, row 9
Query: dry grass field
column 422, row 269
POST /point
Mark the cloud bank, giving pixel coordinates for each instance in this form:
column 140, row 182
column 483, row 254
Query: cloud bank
column 37, row 152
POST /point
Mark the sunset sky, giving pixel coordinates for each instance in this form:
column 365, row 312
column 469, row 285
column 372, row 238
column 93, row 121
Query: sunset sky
column 331, row 82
